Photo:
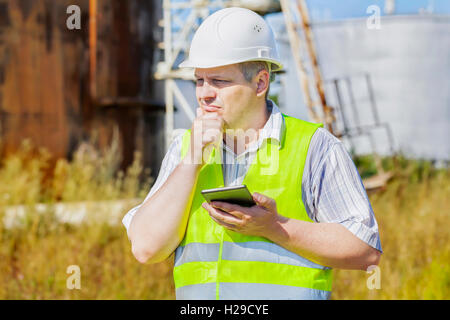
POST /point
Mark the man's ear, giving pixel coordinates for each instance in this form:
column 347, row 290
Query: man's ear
column 262, row 82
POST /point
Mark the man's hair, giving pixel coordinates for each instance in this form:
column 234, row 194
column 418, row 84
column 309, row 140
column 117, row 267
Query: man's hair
column 250, row 69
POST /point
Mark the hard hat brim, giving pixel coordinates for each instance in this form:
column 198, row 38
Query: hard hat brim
column 277, row 66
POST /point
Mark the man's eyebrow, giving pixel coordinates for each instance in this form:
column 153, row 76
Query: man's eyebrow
column 212, row 76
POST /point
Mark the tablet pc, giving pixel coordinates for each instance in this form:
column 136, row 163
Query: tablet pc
column 237, row 195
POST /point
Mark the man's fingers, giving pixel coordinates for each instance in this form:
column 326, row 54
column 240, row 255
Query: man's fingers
column 220, row 215
column 229, row 226
column 208, row 130
column 264, row 201
column 230, row 208
column 212, row 134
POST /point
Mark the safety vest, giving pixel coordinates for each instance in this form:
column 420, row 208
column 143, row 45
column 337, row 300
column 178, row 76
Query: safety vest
column 213, row 262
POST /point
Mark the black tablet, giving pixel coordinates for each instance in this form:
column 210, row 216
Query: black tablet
column 237, row 195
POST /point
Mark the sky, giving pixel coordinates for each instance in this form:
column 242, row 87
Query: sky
column 323, row 10
column 326, row 10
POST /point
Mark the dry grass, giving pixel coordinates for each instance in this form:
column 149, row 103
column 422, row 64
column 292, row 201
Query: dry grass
column 412, row 213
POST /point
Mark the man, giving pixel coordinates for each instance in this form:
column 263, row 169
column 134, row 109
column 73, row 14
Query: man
column 311, row 214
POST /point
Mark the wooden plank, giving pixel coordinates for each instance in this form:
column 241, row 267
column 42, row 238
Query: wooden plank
column 377, row 181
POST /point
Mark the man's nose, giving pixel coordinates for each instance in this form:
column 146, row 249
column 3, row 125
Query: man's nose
column 206, row 92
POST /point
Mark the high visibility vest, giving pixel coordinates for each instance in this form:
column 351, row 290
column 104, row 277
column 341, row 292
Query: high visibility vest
column 213, row 262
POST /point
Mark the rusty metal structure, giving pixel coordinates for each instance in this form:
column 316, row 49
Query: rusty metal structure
column 177, row 32
column 343, row 122
column 180, row 21
column 298, row 25
column 350, row 125
column 58, row 85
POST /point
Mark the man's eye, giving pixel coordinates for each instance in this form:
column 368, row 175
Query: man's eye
column 199, row 81
column 220, row 81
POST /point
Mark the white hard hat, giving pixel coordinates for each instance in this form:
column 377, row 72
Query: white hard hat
column 232, row 35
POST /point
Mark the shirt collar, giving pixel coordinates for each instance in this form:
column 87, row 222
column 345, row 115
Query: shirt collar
column 274, row 127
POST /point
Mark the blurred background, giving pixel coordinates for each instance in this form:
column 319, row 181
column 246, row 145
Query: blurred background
column 91, row 96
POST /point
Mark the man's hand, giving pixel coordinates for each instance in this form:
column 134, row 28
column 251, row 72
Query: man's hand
column 328, row 244
column 258, row 220
column 206, row 132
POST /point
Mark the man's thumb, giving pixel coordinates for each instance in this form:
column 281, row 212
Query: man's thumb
column 264, row 201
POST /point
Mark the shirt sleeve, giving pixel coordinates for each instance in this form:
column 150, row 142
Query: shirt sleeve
column 333, row 191
column 170, row 162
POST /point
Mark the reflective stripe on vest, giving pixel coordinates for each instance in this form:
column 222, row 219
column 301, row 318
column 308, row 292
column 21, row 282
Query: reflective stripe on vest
column 249, row 291
column 213, row 262
column 241, row 251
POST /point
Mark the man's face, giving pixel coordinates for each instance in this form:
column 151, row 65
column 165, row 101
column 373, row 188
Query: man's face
column 225, row 90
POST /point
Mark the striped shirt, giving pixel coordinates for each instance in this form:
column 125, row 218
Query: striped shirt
column 332, row 190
